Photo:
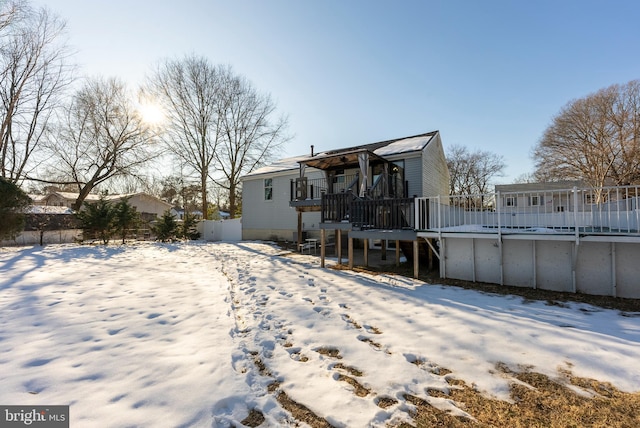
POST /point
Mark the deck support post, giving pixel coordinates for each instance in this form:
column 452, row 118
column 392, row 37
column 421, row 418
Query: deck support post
column 383, row 248
column 416, row 259
column 443, row 262
column 339, row 245
column 397, row 253
column 299, row 230
column 323, row 240
column 366, row 252
column 350, row 247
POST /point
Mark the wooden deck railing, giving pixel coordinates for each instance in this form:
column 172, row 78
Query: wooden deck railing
column 383, row 214
column 303, row 188
column 336, row 208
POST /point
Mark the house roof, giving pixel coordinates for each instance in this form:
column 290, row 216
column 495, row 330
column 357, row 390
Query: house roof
column 549, row 185
column 93, row 197
column 285, row 164
column 43, row 209
column 72, row 196
column 334, row 158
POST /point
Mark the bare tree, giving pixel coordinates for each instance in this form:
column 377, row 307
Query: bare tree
column 249, row 135
column 101, row 136
column 595, row 139
column 11, row 11
column 471, row 173
column 33, row 74
column 219, row 125
column 188, row 91
column 526, row 177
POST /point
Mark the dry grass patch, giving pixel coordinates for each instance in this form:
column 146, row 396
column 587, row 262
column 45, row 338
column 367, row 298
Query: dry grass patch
column 351, row 321
column 368, row 340
column 373, row 330
column 262, row 368
column 440, row 371
column 385, row 402
column 537, row 402
column 329, row 352
column 358, row 389
column 255, row 419
column 352, row 370
column 301, row 412
column 428, row 416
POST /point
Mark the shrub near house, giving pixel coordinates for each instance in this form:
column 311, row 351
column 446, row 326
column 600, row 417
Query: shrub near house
column 103, row 219
column 13, row 202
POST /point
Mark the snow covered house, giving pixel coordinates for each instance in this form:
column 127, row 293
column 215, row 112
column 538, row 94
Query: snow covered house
column 365, row 192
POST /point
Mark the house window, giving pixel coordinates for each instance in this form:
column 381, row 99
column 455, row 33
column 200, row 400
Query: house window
column 268, row 189
column 592, row 198
column 339, row 176
column 338, row 180
column 536, row 200
column 510, row 201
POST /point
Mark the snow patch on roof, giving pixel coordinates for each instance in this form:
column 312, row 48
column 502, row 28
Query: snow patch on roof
column 279, row 165
column 42, row 209
column 73, row 196
column 412, row 144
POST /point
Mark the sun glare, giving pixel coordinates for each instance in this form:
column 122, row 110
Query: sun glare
column 151, row 113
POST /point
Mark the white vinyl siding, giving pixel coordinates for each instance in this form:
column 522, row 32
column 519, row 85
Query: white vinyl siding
column 435, row 173
column 268, row 189
column 269, row 219
column 413, row 176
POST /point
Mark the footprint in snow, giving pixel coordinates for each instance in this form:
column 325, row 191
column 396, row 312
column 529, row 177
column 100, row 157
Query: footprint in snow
column 322, row 311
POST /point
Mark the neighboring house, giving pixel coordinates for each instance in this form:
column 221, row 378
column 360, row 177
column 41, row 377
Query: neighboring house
column 561, row 196
column 46, row 225
column 365, row 192
column 62, row 199
column 529, row 197
column 148, row 206
column 179, row 214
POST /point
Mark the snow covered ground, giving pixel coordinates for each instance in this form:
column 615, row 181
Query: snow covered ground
column 169, row 334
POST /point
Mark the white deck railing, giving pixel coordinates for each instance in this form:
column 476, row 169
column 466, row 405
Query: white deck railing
column 606, row 210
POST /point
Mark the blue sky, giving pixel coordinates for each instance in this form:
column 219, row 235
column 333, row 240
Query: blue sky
column 488, row 75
